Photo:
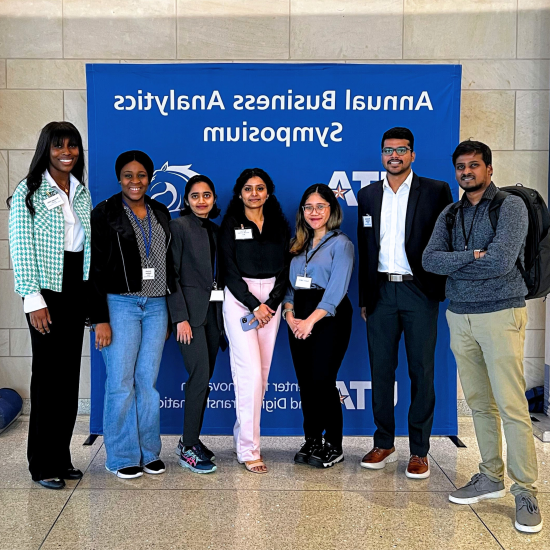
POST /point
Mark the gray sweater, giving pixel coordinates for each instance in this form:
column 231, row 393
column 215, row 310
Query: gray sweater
column 492, row 283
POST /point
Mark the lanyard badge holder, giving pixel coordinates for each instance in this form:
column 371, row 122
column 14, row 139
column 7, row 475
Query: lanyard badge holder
column 305, row 281
column 148, row 273
column 216, row 294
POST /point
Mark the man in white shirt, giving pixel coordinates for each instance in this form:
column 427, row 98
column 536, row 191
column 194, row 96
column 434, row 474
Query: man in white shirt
column 396, row 219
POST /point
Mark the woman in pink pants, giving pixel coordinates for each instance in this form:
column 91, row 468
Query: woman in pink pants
column 254, row 256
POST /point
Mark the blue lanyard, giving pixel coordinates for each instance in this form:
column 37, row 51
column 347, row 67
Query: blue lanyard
column 146, row 242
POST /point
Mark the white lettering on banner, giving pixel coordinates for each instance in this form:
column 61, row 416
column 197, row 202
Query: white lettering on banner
column 340, row 184
column 389, row 102
column 284, row 134
column 360, row 386
column 326, row 101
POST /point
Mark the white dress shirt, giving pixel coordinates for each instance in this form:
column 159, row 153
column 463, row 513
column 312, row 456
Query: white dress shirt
column 74, row 235
column 392, row 257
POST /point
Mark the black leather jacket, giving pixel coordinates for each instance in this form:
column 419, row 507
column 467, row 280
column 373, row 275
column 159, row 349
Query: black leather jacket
column 116, row 263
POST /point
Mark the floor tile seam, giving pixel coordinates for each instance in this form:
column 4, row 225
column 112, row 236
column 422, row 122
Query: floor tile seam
column 81, row 489
column 68, row 500
column 486, row 527
column 444, row 472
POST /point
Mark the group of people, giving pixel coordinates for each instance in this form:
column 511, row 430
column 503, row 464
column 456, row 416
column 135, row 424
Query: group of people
column 137, row 276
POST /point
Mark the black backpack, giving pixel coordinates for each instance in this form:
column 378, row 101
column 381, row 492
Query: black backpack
column 536, row 273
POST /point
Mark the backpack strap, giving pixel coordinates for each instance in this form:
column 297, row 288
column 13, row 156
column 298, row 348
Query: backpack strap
column 494, row 213
column 450, row 218
column 494, row 208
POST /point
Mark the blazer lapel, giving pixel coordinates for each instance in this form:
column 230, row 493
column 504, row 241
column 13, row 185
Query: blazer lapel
column 376, row 211
column 414, row 195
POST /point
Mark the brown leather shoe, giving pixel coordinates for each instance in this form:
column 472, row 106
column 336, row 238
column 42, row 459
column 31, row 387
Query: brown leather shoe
column 418, row 468
column 378, row 458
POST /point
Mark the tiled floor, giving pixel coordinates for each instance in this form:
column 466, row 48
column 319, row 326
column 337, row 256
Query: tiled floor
column 291, row 507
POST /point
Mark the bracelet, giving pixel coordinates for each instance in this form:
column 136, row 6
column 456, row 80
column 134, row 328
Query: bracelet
column 287, row 311
column 255, row 309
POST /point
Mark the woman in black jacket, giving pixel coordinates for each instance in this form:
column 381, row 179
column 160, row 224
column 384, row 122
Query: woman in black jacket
column 254, row 250
column 131, row 274
column 196, row 312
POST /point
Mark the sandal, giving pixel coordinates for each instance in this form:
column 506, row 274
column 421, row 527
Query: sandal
column 252, row 464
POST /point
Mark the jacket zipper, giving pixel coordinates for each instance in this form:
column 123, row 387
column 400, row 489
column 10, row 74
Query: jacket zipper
column 166, row 252
column 123, row 264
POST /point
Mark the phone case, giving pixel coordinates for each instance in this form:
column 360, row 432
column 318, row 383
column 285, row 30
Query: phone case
column 245, row 320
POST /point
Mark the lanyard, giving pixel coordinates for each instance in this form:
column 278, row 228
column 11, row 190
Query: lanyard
column 467, row 238
column 146, row 242
column 315, row 252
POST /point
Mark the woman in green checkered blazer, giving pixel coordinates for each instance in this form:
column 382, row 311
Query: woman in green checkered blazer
column 49, row 231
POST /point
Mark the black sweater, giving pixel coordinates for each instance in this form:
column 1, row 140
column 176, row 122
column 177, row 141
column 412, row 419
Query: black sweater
column 265, row 256
column 116, row 262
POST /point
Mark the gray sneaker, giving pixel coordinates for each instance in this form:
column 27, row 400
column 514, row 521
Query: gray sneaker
column 478, row 488
column 528, row 518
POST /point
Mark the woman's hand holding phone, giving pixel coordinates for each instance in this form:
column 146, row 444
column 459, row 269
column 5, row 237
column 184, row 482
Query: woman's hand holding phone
column 263, row 314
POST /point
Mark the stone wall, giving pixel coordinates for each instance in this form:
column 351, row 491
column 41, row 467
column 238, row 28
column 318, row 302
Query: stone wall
column 503, row 46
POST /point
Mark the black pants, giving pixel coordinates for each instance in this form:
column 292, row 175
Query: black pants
column 402, row 307
column 317, row 360
column 56, row 374
column 199, row 358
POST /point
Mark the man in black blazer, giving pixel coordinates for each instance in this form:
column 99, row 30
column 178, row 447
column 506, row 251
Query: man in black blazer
column 396, row 219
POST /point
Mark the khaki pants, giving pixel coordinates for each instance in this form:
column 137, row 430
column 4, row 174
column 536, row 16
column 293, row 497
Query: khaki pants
column 488, row 348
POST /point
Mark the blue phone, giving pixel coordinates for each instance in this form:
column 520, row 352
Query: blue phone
column 245, row 320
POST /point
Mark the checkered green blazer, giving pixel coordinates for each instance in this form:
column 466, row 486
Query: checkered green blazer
column 37, row 243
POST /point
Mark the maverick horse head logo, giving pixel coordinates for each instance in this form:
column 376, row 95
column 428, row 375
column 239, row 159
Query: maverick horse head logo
column 169, row 182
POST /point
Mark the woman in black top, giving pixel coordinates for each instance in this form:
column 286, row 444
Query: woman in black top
column 130, row 277
column 196, row 312
column 254, row 245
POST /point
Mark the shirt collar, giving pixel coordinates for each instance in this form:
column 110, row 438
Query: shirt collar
column 325, row 238
column 73, row 182
column 489, row 194
column 407, row 182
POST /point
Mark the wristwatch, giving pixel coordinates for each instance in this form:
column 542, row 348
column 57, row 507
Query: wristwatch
column 255, row 309
column 287, row 311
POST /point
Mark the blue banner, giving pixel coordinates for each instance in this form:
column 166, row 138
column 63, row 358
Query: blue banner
column 303, row 124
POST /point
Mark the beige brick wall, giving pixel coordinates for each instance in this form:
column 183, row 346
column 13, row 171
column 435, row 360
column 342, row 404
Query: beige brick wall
column 503, row 46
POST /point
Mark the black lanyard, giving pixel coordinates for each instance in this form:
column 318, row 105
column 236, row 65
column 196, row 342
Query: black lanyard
column 467, row 238
column 315, row 252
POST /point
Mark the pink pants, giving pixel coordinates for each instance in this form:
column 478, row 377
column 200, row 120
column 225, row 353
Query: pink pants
column 250, row 354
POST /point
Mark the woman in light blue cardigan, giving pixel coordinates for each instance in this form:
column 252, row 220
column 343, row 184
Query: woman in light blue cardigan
column 49, row 232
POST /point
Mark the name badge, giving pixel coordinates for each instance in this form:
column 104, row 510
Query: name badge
column 367, row 221
column 303, row 282
column 52, row 202
column 216, row 296
column 148, row 273
column 243, row 234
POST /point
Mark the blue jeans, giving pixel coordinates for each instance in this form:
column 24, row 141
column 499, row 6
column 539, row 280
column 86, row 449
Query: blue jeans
column 131, row 413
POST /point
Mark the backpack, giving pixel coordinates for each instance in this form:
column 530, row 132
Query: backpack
column 535, row 398
column 536, row 273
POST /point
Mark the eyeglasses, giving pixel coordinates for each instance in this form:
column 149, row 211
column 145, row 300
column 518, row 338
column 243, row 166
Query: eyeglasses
column 387, row 151
column 309, row 208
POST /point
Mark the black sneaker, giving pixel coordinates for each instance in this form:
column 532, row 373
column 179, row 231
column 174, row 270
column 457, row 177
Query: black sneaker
column 306, row 450
column 326, row 456
column 206, row 451
column 154, row 468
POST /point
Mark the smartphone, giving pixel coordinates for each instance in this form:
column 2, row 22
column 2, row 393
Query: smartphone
column 245, row 320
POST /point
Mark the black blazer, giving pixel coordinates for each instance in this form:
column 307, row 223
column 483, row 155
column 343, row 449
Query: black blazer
column 427, row 199
column 116, row 263
column 193, row 270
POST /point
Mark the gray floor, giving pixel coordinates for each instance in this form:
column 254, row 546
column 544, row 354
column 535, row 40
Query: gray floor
column 290, row 507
